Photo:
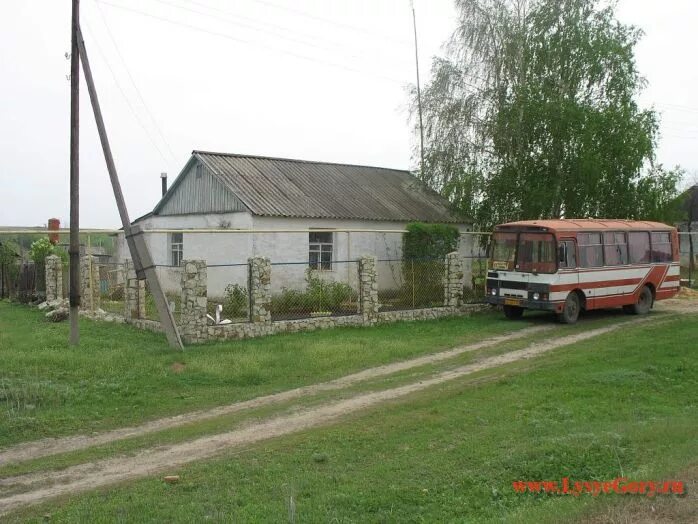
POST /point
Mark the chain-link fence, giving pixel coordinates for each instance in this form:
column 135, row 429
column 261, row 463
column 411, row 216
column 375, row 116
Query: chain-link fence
column 310, row 289
column 410, row 283
column 688, row 250
column 111, row 287
column 228, row 300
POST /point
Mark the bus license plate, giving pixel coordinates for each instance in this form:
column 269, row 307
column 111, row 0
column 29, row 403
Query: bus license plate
column 512, row 301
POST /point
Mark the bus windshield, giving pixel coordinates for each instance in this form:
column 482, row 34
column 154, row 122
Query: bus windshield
column 503, row 251
column 526, row 252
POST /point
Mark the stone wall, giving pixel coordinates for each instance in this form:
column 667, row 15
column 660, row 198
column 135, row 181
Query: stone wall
column 89, row 283
column 368, row 290
column 134, row 293
column 260, row 289
column 54, row 278
column 453, row 280
column 192, row 326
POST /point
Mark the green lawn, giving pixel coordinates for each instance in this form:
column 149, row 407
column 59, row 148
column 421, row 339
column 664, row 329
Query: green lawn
column 120, row 376
column 620, row 404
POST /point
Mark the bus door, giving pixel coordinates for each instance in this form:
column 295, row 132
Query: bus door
column 568, row 275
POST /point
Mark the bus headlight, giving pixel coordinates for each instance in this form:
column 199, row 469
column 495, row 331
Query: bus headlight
column 536, row 296
column 494, row 292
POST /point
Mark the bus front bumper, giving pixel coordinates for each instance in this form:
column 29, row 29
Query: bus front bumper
column 544, row 305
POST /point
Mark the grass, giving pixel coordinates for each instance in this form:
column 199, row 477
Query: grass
column 120, row 376
column 227, row 422
column 592, row 411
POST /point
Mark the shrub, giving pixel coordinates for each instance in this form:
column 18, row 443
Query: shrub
column 236, row 301
column 424, row 248
column 320, row 296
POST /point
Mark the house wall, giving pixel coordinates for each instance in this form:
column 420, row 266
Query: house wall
column 288, row 251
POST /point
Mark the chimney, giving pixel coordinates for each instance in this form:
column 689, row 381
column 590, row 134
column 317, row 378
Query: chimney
column 53, row 226
column 163, row 177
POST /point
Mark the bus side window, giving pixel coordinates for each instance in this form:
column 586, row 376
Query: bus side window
column 590, row 249
column 639, row 244
column 567, row 255
column 661, row 247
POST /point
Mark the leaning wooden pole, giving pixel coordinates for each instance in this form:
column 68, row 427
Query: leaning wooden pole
column 74, row 249
column 140, row 254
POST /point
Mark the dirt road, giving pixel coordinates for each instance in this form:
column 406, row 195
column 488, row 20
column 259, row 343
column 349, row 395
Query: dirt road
column 36, row 487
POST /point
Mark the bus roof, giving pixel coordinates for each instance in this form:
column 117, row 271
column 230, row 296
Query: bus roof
column 581, row 224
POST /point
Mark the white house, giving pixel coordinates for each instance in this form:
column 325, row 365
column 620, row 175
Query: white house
column 345, row 211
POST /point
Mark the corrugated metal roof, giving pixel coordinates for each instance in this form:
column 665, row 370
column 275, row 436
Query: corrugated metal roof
column 301, row 188
column 593, row 224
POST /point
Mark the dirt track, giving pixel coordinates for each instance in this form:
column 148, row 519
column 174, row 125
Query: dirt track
column 44, row 485
column 46, row 447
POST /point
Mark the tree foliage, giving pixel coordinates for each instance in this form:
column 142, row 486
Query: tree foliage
column 429, row 241
column 533, row 114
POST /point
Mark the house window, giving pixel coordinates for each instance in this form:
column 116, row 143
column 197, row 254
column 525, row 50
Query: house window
column 320, row 250
column 176, row 248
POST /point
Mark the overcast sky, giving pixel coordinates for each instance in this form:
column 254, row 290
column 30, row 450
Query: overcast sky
column 309, row 79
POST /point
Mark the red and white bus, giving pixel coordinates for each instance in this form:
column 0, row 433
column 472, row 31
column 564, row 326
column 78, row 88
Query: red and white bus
column 570, row 265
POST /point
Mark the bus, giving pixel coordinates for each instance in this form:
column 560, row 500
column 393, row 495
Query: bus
column 567, row 266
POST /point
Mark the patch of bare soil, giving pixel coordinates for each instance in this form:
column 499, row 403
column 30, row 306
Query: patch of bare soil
column 46, row 447
column 45, row 485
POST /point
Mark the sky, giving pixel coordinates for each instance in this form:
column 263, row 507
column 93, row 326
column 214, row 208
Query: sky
column 310, row 79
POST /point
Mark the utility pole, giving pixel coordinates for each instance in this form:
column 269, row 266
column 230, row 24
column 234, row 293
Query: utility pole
column 74, row 249
column 419, row 91
column 140, row 254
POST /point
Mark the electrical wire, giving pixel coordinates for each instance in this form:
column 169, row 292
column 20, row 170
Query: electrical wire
column 123, row 93
column 249, row 43
column 133, row 82
column 304, row 39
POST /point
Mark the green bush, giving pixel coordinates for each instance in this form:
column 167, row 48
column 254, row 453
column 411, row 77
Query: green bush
column 424, row 248
column 319, row 296
column 236, row 301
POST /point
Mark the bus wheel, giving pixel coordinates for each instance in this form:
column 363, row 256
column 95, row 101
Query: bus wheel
column 644, row 302
column 570, row 313
column 513, row 312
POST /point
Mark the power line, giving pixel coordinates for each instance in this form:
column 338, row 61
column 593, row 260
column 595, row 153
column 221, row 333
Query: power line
column 133, row 82
column 304, row 39
column 123, row 93
column 248, row 43
column 333, row 22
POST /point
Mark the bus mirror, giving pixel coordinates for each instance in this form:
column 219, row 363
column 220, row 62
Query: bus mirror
column 562, row 253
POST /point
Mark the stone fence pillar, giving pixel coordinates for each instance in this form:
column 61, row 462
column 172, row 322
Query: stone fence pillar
column 193, row 324
column 134, row 293
column 54, row 278
column 368, row 289
column 89, row 283
column 260, row 289
column 453, row 280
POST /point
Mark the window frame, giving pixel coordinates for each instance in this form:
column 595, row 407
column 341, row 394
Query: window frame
column 176, row 247
column 320, row 248
column 583, row 246
column 617, row 247
column 670, row 258
column 648, row 236
column 570, row 248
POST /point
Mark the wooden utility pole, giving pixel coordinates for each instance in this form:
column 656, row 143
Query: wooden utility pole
column 140, row 254
column 74, row 249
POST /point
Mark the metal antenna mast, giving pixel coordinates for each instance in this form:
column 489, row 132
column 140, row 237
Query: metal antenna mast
column 419, row 90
